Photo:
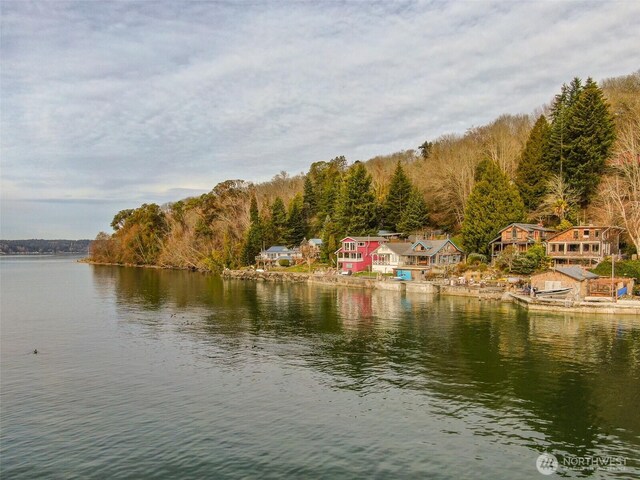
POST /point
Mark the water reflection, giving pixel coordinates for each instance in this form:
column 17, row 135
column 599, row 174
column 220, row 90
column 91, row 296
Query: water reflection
column 567, row 383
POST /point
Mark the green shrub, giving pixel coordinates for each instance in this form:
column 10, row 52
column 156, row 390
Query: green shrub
column 626, row 268
column 476, row 259
column 283, row 262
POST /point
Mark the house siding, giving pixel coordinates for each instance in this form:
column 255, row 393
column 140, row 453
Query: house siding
column 584, row 245
column 544, row 281
column 355, row 254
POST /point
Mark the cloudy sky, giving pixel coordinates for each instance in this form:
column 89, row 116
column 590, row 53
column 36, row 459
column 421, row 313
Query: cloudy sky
column 107, row 105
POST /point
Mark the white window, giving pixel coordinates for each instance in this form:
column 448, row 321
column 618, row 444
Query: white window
column 349, row 246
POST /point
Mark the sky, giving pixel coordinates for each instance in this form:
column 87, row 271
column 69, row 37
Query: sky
column 108, row 105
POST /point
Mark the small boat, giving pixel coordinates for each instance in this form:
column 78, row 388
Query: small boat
column 553, row 292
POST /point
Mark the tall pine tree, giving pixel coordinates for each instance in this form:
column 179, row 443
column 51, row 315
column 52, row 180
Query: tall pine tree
column 557, row 147
column 278, row 223
column 296, row 224
column 591, row 135
column 309, row 198
column 356, row 205
column 253, row 241
column 326, row 180
column 533, row 171
column 396, row 200
column 581, row 136
column 493, row 204
column 414, row 216
column 330, row 237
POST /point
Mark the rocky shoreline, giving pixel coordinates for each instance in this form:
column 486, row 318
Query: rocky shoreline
column 501, row 294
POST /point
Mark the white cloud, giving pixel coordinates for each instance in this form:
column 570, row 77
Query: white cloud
column 126, row 100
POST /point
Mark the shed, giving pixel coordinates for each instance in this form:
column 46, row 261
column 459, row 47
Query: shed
column 572, row 277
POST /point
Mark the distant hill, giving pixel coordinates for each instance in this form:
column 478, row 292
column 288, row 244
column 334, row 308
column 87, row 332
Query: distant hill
column 43, row 247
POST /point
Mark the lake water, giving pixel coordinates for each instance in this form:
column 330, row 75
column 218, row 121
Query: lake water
column 167, row 374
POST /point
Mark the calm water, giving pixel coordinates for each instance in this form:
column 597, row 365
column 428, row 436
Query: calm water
column 160, row 374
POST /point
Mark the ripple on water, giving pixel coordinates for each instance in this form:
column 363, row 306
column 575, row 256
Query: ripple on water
column 166, row 375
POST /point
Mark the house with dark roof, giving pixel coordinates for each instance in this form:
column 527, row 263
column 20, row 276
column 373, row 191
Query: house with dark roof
column 389, row 256
column 430, row 253
column 520, row 236
column 414, row 259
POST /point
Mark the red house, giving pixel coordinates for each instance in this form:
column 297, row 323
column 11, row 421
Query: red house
column 355, row 253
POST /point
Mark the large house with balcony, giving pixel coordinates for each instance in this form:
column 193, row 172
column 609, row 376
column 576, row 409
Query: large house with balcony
column 420, row 256
column 354, row 255
column 389, row 256
column 584, row 245
column 433, row 253
column 520, row 236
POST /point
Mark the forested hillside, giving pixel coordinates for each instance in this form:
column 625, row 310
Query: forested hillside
column 44, row 247
column 577, row 160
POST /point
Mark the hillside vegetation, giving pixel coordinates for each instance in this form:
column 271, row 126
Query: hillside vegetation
column 576, row 161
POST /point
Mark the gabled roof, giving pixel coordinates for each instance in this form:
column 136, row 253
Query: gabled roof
column 432, row 247
column 527, row 227
column 399, row 248
column 530, row 227
column 315, row 241
column 277, row 249
column 576, row 273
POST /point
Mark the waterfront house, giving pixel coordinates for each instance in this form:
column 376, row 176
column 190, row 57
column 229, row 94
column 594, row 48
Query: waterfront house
column 424, row 256
column 354, row 254
column 389, row 256
column 584, row 245
column 433, row 253
column 276, row 253
column 520, row 236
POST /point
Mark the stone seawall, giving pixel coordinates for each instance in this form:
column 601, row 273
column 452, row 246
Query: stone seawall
column 332, row 279
column 484, row 293
column 622, row 307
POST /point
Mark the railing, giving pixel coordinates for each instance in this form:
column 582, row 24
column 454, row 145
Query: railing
column 575, row 254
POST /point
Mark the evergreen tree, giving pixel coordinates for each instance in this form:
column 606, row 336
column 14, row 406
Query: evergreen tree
column 557, row 147
column 414, row 216
column 493, row 204
column 278, row 224
column 309, row 202
column 327, row 196
column 296, row 224
column 253, row 241
column 591, row 135
column 397, row 198
column 330, row 238
column 356, row 206
column 533, row 171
